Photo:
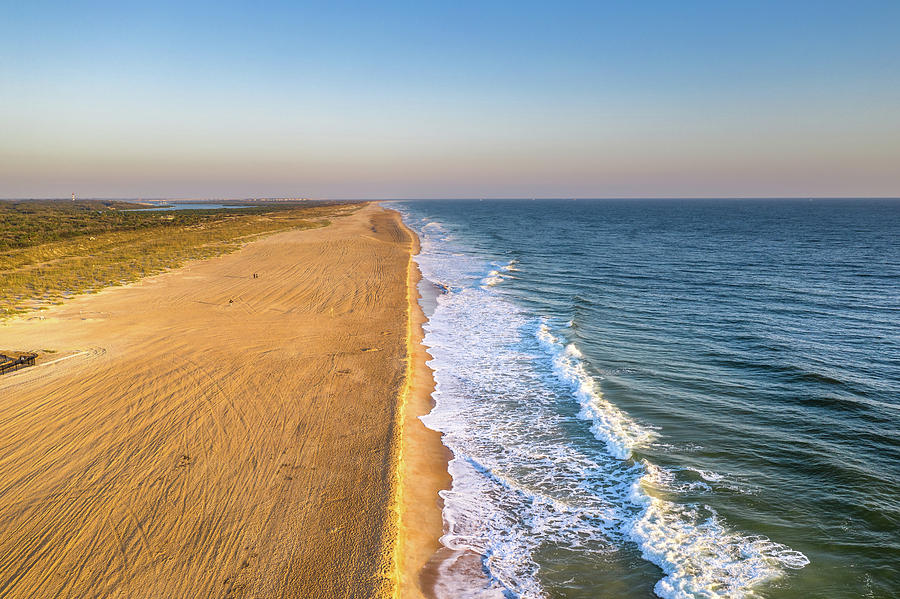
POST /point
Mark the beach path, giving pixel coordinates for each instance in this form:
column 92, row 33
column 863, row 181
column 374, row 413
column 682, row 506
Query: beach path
column 216, row 434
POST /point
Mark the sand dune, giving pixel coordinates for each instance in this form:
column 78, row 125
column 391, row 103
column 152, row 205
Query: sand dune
column 219, row 435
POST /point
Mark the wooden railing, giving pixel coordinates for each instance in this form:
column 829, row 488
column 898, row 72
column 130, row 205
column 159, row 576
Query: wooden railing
column 8, row 363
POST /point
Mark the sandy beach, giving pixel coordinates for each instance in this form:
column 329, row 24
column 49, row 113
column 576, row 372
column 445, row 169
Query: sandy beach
column 423, row 464
column 212, row 434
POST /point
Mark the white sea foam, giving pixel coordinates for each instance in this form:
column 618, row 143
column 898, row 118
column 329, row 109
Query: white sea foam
column 620, row 433
column 712, row 477
column 492, row 279
column 699, row 554
column 500, row 273
column 520, row 482
column 516, row 483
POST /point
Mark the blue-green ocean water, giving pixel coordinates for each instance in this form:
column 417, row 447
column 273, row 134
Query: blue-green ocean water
column 680, row 398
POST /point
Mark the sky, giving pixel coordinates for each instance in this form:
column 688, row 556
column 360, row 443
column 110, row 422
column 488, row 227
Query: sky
column 450, row 99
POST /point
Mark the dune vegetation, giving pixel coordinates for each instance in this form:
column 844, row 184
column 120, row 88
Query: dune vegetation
column 50, row 250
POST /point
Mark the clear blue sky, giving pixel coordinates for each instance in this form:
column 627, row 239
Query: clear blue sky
column 455, row 99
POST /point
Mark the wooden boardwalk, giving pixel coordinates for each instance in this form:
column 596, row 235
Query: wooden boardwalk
column 11, row 363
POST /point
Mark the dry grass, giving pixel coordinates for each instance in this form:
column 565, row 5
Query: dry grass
column 94, row 248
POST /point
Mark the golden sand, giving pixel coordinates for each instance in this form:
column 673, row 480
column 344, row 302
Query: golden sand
column 211, row 434
column 423, row 463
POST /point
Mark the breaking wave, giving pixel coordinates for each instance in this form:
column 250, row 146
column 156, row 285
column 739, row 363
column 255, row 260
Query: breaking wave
column 509, row 387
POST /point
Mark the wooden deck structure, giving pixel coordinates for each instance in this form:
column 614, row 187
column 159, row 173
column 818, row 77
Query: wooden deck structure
column 12, row 363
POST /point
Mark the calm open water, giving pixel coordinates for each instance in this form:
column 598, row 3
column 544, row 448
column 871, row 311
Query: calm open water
column 681, row 398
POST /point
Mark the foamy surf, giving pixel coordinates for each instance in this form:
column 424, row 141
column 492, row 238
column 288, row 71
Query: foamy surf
column 500, row 273
column 700, row 555
column 521, row 486
column 492, row 279
column 697, row 551
column 620, row 433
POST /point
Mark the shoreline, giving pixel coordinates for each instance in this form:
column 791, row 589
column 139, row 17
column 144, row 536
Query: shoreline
column 422, row 468
column 426, row 568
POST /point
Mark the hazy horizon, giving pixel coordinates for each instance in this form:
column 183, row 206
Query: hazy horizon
column 471, row 100
column 437, row 199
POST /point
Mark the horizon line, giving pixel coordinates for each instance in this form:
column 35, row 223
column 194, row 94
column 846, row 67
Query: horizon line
column 441, row 198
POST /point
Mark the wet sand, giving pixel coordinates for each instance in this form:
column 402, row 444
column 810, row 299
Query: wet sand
column 216, row 435
column 423, row 464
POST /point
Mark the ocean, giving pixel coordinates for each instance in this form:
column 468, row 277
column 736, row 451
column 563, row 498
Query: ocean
column 672, row 398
